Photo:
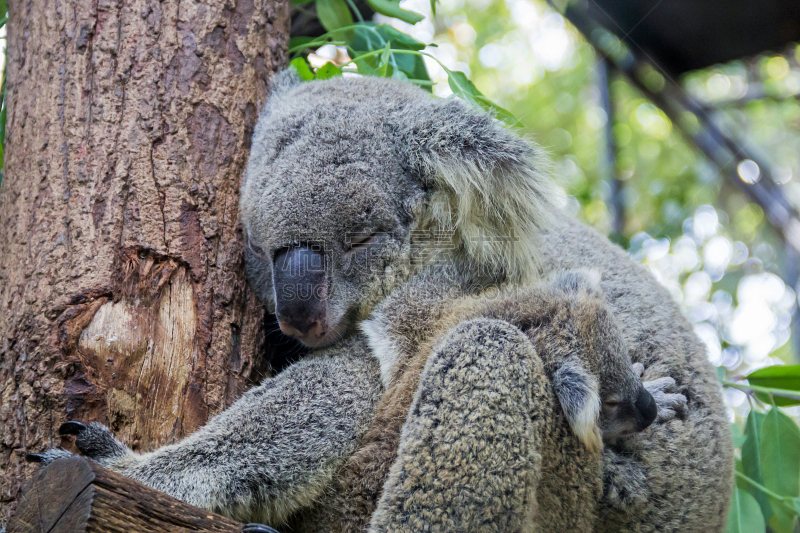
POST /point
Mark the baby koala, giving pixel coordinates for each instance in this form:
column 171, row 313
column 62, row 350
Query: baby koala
column 566, row 318
column 601, row 393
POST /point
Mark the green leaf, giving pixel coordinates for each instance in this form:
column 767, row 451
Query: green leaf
column 744, row 514
column 383, row 67
column 786, row 377
column 302, row 68
column 327, row 71
column 366, row 66
column 751, row 459
column 461, row 86
column 433, row 7
column 3, row 8
column 371, row 37
column 334, row 14
column 401, row 40
column 780, row 454
column 783, row 520
column 464, row 88
column 500, row 112
column 392, row 9
column 297, row 42
column 300, row 2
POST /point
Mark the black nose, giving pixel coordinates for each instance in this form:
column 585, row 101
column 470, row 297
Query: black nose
column 300, row 291
column 647, row 408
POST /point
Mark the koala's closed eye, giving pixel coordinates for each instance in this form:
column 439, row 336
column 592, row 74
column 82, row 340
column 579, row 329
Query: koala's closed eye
column 362, row 240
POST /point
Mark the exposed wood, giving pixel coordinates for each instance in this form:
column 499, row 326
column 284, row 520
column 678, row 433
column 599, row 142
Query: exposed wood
column 75, row 495
column 122, row 290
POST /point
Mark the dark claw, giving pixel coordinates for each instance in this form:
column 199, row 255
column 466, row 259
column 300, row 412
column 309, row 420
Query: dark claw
column 34, row 458
column 257, row 528
column 71, row 428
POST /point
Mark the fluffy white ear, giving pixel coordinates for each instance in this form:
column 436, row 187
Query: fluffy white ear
column 490, row 187
column 579, row 395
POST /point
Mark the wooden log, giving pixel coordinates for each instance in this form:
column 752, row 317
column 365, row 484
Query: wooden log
column 77, row 495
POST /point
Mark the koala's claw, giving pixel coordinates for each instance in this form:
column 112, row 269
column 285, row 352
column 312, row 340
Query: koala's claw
column 670, row 402
column 94, row 440
column 257, row 528
column 71, row 428
column 45, row 458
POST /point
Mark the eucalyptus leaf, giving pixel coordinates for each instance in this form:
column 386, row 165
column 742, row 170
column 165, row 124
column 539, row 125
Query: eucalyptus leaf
column 302, row 68
column 401, row 40
column 383, row 67
column 744, row 514
column 393, row 9
column 782, row 520
column 785, row 377
column 780, row 454
column 751, row 459
column 327, row 71
column 334, row 14
column 296, row 42
column 460, row 84
column 366, row 66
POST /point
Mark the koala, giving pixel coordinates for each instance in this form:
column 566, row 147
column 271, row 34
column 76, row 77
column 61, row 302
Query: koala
column 548, row 361
column 364, row 195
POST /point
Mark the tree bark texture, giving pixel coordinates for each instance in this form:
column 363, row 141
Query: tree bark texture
column 76, row 495
column 122, row 290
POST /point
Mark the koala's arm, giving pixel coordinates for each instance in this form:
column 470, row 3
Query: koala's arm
column 271, row 453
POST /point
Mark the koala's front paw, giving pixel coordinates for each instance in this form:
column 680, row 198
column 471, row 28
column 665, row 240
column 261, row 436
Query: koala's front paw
column 45, row 458
column 95, row 441
column 624, row 483
column 625, row 492
column 670, row 402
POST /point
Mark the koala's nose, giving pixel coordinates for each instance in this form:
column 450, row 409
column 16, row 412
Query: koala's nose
column 300, row 292
column 647, row 408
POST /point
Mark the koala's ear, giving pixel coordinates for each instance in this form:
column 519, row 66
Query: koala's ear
column 579, row 394
column 284, row 81
column 578, row 281
column 490, row 187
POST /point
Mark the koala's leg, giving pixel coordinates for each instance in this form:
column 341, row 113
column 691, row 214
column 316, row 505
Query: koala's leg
column 270, row 453
column 469, row 456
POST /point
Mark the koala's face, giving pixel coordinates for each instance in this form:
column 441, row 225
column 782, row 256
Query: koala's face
column 627, row 407
column 353, row 184
column 328, row 210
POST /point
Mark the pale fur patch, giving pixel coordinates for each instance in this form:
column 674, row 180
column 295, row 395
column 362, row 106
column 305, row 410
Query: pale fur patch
column 579, row 394
column 383, row 349
column 496, row 211
column 585, row 423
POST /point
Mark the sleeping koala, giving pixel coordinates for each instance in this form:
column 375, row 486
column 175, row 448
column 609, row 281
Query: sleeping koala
column 546, row 359
column 354, row 188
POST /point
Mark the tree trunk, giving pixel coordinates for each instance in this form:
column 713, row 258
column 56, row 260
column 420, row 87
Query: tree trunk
column 122, row 289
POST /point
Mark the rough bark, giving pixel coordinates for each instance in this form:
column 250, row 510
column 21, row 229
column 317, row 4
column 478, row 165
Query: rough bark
column 78, row 496
column 122, row 289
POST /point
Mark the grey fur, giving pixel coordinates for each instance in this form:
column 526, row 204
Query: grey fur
column 452, row 199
